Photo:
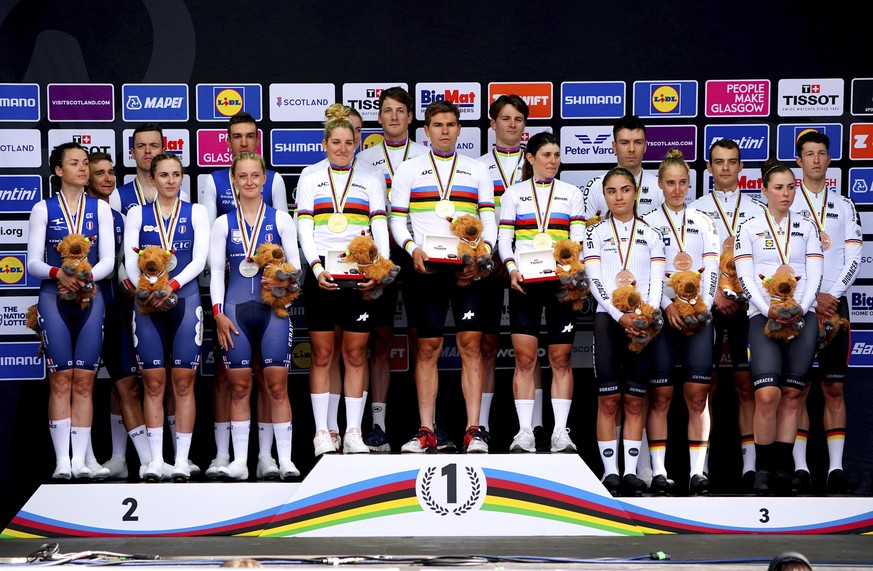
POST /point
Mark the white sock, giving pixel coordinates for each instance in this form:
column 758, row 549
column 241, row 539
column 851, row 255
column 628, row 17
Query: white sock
column 283, row 432
column 222, row 439
column 333, row 413
column 609, row 456
column 537, row 418
column 119, row 435
column 836, row 442
column 561, row 409
column 524, row 410
column 630, row 459
column 60, row 432
column 320, row 404
column 239, row 434
column 485, row 409
column 89, row 452
column 378, row 411
column 657, row 456
column 156, row 442
column 141, row 444
column 354, row 411
column 799, row 452
column 183, row 446
column 749, row 453
column 80, row 436
column 265, row 439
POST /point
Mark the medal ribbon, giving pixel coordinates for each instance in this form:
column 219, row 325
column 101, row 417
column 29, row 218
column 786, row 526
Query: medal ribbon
column 542, row 220
column 680, row 241
column 388, row 158
column 624, row 258
column 250, row 242
column 733, row 225
column 69, row 217
column 783, row 252
column 639, row 188
column 167, row 233
column 507, row 182
column 445, row 191
column 339, row 203
column 819, row 219
column 140, row 193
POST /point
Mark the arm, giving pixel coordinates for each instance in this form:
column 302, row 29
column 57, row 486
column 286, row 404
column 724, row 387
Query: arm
column 486, row 208
column 854, row 242
column 185, row 193
column 288, row 236
column 105, row 242
column 593, row 269
column 814, row 269
column 217, row 259
column 36, row 244
column 280, row 195
column 378, row 218
column 577, row 217
column 200, row 249
column 306, row 224
column 401, row 187
column 131, row 241
column 657, row 268
column 746, row 271
column 593, row 199
column 506, row 232
column 115, row 201
column 711, row 253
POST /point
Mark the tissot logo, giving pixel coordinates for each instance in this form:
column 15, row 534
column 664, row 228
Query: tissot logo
column 810, row 97
column 364, row 97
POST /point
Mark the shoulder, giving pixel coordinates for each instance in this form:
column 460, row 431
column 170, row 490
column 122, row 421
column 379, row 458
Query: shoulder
column 198, row 210
column 475, row 165
column 595, row 182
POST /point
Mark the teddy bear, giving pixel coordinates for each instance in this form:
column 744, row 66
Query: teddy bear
column 650, row 319
column 271, row 257
column 152, row 264
column 32, row 322
column 689, row 303
column 471, row 247
column 74, row 250
column 728, row 282
column 781, row 286
column 571, row 273
column 363, row 251
column 829, row 328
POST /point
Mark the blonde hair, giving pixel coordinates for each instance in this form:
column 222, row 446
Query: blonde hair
column 247, row 157
column 337, row 116
column 673, row 158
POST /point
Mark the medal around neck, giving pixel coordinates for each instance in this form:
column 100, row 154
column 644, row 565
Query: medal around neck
column 445, row 209
column 624, row 278
column 248, row 269
column 337, row 223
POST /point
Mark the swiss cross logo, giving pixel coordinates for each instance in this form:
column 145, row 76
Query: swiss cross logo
column 811, row 88
column 861, row 138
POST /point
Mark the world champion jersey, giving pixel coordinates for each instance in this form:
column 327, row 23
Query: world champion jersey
column 364, row 210
column 842, row 260
column 218, row 196
column 603, row 260
column 700, row 241
column 227, row 244
column 504, row 173
column 127, row 196
column 756, row 252
column 519, row 218
column 378, row 157
column 416, row 192
column 727, row 201
column 650, row 196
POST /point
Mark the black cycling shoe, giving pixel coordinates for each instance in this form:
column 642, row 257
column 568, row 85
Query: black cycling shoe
column 661, row 486
column 839, row 483
column 801, row 483
column 632, row 485
column 612, row 483
column 699, row 485
column 762, row 485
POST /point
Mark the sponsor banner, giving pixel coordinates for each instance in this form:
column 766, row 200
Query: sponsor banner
column 301, row 356
column 185, row 189
column 866, row 270
column 588, row 144
column 94, row 140
column 579, row 178
column 212, row 149
column 467, row 96
column 19, row 361
column 13, row 271
column 537, row 95
column 592, row 99
column 19, row 102
column 833, row 178
column 176, row 142
column 810, row 97
column 20, row 148
column 144, row 102
column 19, row 192
column 13, row 232
column 861, row 141
column 296, row 147
column 220, row 102
column 505, row 358
column 528, row 133
column 862, row 96
column 753, row 139
column 738, row 98
column 656, row 99
column 81, row 102
column 749, row 183
column 370, row 138
column 788, row 133
column 860, row 304
column 661, row 138
column 861, row 349
column 468, row 142
column 583, row 350
column 364, row 97
column 861, row 186
column 300, row 101
column 13, row 314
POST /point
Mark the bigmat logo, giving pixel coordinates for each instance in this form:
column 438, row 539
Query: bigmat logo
column 589, row 144
column 861, row 141
column 300, row 101
column 810, row 97
column 19, row 362
column 364, row 97
column 661, row 138
column 665, row 98
column 788, row 133
column 753, row 140
column 19, row 102
column 176, row 142
column 467, row 96
column 296, row 147
column 592, row 99
column 749, row 182
column 212, row 148
column 221, row 102
column 94, row 140
column 167, row 102
column 740, row 98
column 19, row 193
column 861, row 185
column 537, row 95
column 860, row 304
column 862, row 96
column 81, row 102
column 20, row 148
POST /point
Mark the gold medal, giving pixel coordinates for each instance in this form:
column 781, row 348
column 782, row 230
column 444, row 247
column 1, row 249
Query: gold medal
column 825, row 241
column 542, row 241
column 785, row 269
column 445, row 209
column 682, row 261
column 248, row 269
column 337, row 223
column 624, row 278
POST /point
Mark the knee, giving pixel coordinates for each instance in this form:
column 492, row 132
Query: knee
column 560, row 362
column 428, row 349
column 525, row 361
column 240, row 389
column 469, row 346
column 633, row 406
column 767, row 398
column 61, row 382
column 355, row 356
column 183, row 387
column 129, row 390
column 153, row 387
column 791, row 399
column 833, row 393
column 83, row 387
column 659, row 401
column 488, row 346
column 696, row 403
column 322, row 355
column 608, row 406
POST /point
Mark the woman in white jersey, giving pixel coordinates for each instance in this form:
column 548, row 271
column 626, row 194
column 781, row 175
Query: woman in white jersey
column 784, row 241
column 534, row 214
column 690, row 244
column 336, row 203
column 621, row 250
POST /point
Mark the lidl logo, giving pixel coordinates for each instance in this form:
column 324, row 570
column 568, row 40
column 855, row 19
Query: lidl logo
column 665, row 98
column 221, row 102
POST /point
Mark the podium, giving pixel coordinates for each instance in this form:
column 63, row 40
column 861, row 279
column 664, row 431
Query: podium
column 420, row 495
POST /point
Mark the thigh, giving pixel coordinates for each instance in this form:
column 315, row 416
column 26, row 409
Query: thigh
column 188, row 332
column 240, row 355
column 55, row 332
column 88, row 336
column 467, row 307
column 276, row 341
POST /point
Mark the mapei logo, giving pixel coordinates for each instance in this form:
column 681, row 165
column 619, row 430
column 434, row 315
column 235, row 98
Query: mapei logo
column 19, row 102
column 221, row 102
column 588, row 144
column 537, row 96
column 465, row 95
column 788, row 134
column 155, row 102
column 670, row 99
column 861, row 185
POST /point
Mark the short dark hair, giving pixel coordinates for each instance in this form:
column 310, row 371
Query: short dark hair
column 98, row 156
column 441, row 106
column 56, row 158
column 145, row 127
column 241, row 117
column 504, row 100
column 728, row 144
column 533, row 145
column 396, row 93
column 630, row 122
column 812, row 136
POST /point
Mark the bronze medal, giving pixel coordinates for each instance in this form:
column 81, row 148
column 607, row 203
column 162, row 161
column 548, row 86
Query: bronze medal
column 624, row 278
column 825, row 241
column 682, row 261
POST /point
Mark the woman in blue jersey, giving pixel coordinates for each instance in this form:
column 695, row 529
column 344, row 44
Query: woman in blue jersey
column 72, row 336
column 533, row 215
column 621, row 250
column 778, row 241
column 244, row 323
column 172, row 329
column 336, row 203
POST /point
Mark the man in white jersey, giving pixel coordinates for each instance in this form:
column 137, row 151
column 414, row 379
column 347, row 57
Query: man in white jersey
column 395, row 116
column 147, row 142
column 629, row 145
column 728, row 208
column 430, row 190
column 837, row 220
column 217, row 194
